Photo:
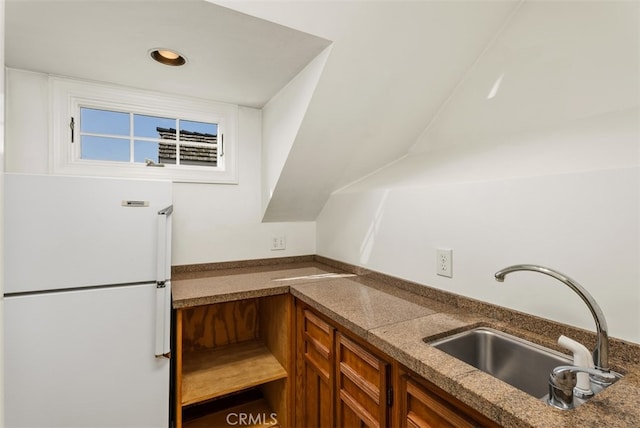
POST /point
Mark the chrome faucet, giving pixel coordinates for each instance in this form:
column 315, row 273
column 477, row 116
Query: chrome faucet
column 562, row 381
column 601, row 351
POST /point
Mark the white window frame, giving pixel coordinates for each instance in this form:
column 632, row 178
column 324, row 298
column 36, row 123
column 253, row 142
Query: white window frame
column 68, row 96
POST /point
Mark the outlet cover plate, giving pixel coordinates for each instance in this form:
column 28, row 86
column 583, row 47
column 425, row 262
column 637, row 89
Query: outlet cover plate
column 444, row 262
column 278, row 242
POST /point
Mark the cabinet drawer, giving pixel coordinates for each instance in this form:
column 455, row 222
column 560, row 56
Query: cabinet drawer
column 424, row 410
column 423, row 405
column 362, row 386
column 318, row 343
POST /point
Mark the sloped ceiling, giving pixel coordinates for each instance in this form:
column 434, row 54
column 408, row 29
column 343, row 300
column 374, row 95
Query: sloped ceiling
column 232, row 57
column 554, row 63
column 392, row 66
column 557, row 92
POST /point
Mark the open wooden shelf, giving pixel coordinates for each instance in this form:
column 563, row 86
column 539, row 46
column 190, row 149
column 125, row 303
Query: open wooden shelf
column 234, row 353
column 259, row 411
column 219, row 371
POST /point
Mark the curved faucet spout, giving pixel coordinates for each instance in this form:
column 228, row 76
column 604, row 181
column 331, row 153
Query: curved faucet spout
column 601, row 351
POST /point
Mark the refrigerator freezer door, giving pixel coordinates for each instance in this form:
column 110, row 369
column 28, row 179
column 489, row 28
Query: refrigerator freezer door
column 79, row 231
column 84, row 359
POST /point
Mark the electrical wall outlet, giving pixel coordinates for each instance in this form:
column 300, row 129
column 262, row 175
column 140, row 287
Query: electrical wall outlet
column 278, row 243
column 444, row 262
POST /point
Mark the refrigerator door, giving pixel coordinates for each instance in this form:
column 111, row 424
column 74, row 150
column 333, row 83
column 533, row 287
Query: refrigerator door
column 65, row 232
column 84, row 359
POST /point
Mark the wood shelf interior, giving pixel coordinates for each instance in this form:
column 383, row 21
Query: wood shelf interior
column 259, row 409
column 230, row 347
column 212, row 373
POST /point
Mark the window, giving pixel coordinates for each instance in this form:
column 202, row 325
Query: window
column 128, row 137
column 113, row 131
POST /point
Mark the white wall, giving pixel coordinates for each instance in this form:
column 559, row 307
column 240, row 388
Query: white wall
column 546, row 171
column 212, row 223
column 281, row 119
column 222, row 223
column 582, row 224
column 2, row 109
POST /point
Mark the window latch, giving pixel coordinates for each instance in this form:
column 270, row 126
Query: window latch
column 221, row 145
column 150, row 162
column 72, row 126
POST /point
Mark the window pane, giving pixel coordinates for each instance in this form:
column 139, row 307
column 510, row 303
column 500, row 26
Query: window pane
column 202, row 156
column 167, row 153
column 167, row 133
column 150, row 126
column 198, row 132
column 143, row 150
column 102, row 148
column 104, row 122
column 198, row 127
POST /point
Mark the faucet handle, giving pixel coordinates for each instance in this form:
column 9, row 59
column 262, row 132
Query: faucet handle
column 581, row 358
column 563, row 379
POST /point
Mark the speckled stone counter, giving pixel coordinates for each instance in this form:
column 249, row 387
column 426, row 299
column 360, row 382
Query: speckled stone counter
column 394, row 317
column 206, row 287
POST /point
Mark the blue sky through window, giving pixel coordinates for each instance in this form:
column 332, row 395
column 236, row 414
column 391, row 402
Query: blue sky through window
column 145, row 126
column 96, row 121
column 204, row 128
column 104, row 148
column 104, row 122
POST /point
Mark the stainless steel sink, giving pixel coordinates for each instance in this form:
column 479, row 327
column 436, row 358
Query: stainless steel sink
column 515, row 361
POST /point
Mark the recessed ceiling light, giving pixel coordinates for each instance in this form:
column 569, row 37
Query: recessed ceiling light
column 167, row 57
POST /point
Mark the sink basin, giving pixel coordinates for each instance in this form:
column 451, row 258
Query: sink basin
column 515, row 361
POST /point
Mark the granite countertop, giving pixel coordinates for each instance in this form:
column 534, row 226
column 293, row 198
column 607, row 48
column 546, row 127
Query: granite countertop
column 396, row 320
column 204, row 288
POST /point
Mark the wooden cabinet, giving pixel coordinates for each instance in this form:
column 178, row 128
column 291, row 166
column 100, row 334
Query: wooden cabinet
column 339, row 383
column 423, row 405
column 361, row 386
column 315, row 368
column 343, row 382
column 226, row 348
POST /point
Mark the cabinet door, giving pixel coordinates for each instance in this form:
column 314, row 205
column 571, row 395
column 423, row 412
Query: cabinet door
column 361, row 385
column 315, row 371
column 425, row 406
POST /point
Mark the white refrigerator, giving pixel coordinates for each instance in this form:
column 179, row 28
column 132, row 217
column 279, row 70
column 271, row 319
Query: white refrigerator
column 87, row 302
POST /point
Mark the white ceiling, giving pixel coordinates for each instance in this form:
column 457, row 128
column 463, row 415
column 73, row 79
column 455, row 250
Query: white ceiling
column 232, row 57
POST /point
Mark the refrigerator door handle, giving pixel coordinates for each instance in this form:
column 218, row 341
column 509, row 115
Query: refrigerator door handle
column 166, row 211
column 163, row 266
column 163, row 319
column 163, row 285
